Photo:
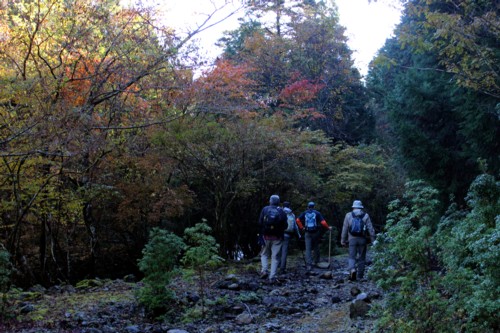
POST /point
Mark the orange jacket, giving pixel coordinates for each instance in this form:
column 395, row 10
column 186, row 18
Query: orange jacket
column 300, row 218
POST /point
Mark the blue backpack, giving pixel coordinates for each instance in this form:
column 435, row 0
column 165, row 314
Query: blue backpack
column 310, row 221
column 358, row 227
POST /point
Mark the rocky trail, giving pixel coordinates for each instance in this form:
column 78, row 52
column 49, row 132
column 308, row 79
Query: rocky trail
column 236, row 300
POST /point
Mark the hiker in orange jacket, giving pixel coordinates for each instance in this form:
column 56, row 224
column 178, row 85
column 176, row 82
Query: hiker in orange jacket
column 311, row 222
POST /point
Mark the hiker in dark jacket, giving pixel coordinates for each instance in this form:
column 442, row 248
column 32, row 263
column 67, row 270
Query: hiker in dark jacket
column 272, row 222
column 313, row 224
column 357, row 243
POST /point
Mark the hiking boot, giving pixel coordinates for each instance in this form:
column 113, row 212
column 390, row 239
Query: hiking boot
column 263, row 275
column 352, row 275
column 275, row 281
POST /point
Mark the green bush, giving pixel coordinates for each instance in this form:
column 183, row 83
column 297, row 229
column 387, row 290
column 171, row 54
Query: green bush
column 440, row 274
column 406, row 264
column 5, row 272
column 160, row 257
column 201, row 255
column 470, row 251
column 202, row 250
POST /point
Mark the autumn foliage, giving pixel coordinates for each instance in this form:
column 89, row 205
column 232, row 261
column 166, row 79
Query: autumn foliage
column 111, row 134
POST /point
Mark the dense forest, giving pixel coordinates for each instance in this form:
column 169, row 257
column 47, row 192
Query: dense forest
column 110, row 133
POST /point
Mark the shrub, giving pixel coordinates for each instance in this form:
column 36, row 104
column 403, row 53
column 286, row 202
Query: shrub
column 201, row 254
column 160, row 257
column 470, row 250
column 440, row 277
column 406, row 264
column 5, row 272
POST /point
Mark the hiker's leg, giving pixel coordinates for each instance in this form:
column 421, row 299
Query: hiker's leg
column 316, row 250
column 266, row 252
column 308, row 237
column 362, row 258
column 355, row 247
column 275, row 250
column 279, row 256
column 317, row 242
column 351, row 262
column 284, row 252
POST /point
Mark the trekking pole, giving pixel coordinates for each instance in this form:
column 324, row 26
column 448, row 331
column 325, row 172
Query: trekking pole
column 329, row 250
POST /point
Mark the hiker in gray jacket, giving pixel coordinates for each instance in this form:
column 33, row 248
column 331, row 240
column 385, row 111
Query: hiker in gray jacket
column 357, row 239
column 291, row 231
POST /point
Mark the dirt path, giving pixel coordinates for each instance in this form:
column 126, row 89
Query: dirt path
column 237, row 301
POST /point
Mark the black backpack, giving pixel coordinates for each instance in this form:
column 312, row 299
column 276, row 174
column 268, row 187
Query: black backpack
column 357, row 227
column 271, row 220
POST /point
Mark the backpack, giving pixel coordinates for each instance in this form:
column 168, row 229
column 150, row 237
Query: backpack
column 310, row 221
column 271, row 219
column 290, row 219
column 357, row 227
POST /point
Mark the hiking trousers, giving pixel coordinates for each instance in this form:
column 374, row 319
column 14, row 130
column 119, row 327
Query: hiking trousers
column 272, row 248
column 357, row 255
column 312, row 248
column 284, row 251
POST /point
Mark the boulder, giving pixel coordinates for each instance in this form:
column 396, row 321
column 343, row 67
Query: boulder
column 244, row 318
column 358, row 308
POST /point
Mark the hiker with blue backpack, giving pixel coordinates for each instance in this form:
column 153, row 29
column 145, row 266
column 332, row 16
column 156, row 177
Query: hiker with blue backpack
column 313, row 224
column 292, row 230
column 356, row 232
column 272, row 223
